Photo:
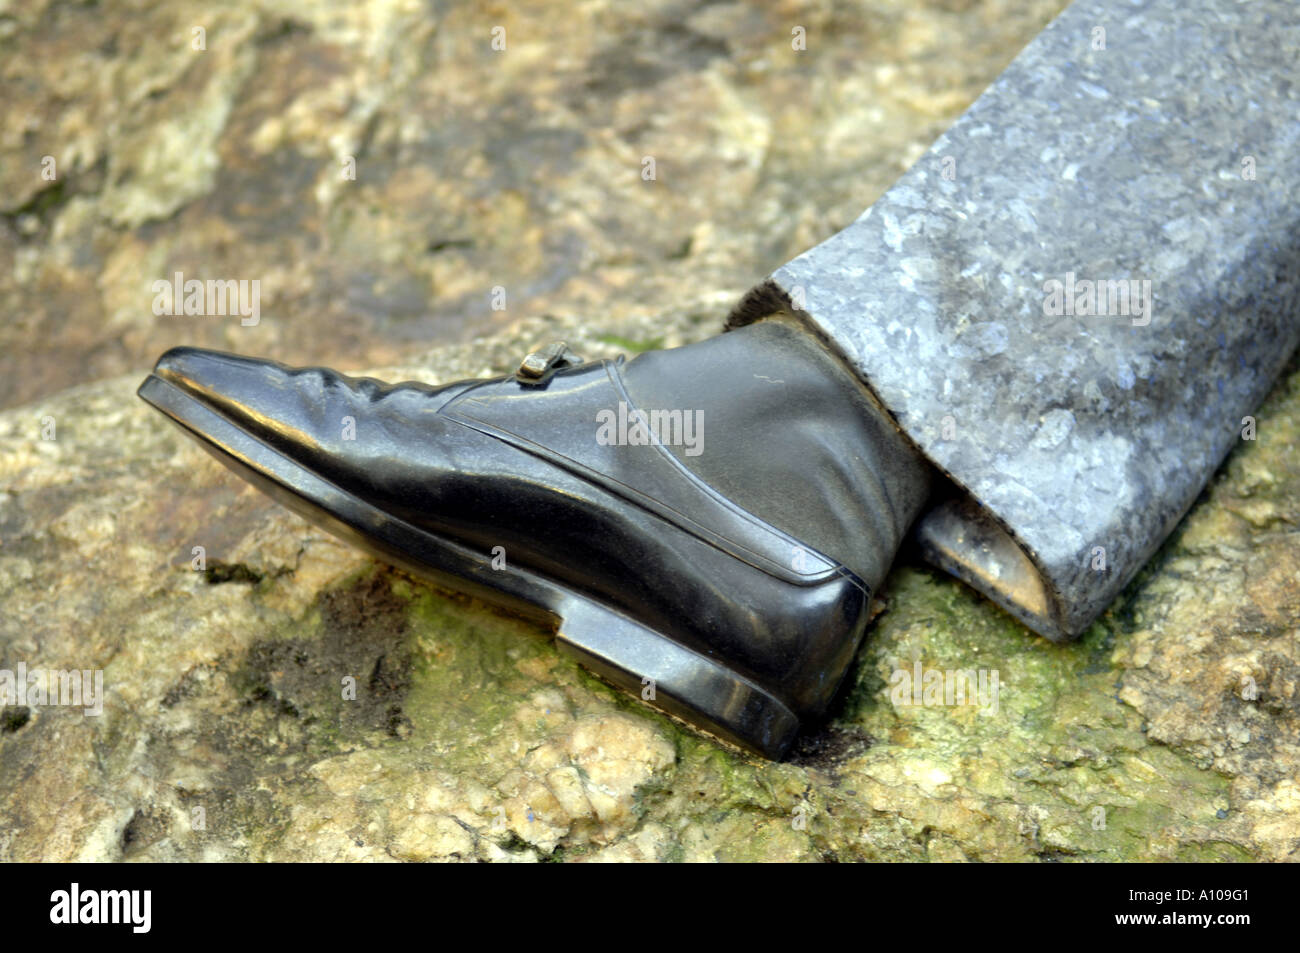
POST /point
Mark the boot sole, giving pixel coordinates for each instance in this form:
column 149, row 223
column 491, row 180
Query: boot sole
column 624, row 652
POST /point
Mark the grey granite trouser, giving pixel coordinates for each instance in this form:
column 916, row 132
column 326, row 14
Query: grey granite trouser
column 1076, row 299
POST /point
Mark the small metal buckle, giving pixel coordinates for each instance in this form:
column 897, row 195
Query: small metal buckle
column 538, row 367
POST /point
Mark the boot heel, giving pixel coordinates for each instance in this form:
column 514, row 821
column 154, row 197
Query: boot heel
column 675, row 679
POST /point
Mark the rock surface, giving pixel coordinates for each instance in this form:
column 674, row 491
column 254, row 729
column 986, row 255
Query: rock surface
column 519, row 169
column 1169, row 732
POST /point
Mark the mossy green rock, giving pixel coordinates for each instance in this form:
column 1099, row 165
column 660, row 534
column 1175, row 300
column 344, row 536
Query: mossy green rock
column 288, row 698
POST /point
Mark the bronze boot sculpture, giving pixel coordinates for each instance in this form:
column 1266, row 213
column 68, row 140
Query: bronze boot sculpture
column 709, row 521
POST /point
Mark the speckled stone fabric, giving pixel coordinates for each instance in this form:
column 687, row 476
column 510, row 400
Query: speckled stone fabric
column 1073, row 299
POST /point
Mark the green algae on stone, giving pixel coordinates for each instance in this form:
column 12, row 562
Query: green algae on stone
column 1168, row 732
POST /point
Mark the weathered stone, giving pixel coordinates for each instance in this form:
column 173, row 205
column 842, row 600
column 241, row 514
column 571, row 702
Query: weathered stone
column 474, row 168
column 226, row 733
column 470, row 737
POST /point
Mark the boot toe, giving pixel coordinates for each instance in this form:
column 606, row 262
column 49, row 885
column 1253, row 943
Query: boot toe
column 352, row 430
column 265, row 399
column 224, row 381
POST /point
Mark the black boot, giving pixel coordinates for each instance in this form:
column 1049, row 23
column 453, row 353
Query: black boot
column 707, row 524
